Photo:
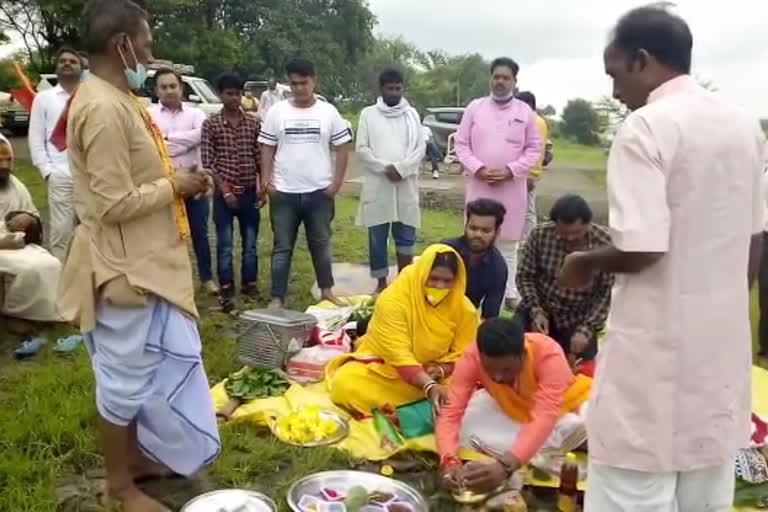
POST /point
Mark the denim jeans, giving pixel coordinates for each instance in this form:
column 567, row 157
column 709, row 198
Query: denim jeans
column 287, row 211
column 378, row 238
column 434, row 155
column 247, row 215
column 198, row 211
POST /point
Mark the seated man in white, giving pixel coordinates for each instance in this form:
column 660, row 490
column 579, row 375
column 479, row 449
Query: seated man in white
column 30, row 274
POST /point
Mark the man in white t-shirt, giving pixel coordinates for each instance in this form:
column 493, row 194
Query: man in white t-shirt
column 298, row 174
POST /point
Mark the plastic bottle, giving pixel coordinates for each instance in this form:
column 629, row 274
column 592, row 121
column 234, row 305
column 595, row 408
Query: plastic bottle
column 568, row 494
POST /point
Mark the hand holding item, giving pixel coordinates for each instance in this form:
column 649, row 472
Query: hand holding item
column 579, row 343
column 483, row 476
column 451, row 474
column 392, row 174
column 437, row 396
column 541, row 323
column 576, row 272
column 190, row 182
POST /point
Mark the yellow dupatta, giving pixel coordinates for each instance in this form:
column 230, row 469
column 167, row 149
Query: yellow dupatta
column 406, row 330
column 517, row 401
column 179, row 209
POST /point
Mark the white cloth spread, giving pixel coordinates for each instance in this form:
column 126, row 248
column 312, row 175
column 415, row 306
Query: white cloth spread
column 147, row 366
column 390, row 136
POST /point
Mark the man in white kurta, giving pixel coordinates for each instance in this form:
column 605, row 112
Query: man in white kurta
column 30, row 274
column 670, row 406
column 52, row 163
column 390, row 146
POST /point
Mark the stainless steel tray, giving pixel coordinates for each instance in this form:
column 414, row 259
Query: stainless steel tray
column 219, row 500
column 342, row 431
column 344, row 480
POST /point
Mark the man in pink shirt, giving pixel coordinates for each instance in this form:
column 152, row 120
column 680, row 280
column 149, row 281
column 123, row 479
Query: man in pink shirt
column 498, row 143
column 528, row 399
column 182, row 128
column 670, row 406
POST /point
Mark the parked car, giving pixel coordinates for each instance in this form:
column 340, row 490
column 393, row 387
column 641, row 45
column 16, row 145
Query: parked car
column 197, row 92
column 443, row 121
column 14, row 118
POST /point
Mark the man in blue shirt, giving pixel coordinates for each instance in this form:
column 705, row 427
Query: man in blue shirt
column 486, row 267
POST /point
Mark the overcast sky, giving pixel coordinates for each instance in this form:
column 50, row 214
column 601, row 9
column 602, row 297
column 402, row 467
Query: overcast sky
column 559, row 43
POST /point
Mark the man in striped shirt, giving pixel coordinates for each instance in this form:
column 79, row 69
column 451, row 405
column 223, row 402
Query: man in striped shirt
column 301, row 178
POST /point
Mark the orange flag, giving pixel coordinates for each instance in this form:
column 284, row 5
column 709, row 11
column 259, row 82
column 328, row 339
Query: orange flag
column 25, row 95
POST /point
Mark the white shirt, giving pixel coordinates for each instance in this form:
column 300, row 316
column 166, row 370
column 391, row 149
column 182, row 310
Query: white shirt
column 268, row 100
column 427, row 133
column 672, row 388
column 383, row 141
column 46, row 111
column 303, row 137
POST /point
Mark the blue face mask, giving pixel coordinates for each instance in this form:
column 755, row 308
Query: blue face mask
column 84, row 74
column 136, row 78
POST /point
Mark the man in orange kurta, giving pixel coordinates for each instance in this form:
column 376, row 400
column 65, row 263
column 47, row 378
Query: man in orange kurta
column 528, row 400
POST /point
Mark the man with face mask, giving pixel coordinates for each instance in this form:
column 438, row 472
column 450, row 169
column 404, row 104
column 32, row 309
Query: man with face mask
column 29, row 272
column 671, row 403
column 128, row 277
column 498, row 143
column 528, row 399
column 52, row 163
column 390, row 145
column 572, row 317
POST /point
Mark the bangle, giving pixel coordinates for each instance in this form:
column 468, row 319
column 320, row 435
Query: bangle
column 428, row 387
column 228, row 194
column 442, row 372
column 449, row 462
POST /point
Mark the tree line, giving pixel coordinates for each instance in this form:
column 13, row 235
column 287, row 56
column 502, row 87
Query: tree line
column 255, row 38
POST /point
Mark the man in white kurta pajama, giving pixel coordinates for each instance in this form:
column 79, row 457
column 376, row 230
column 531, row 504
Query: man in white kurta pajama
column 670, row 405
column 390, row 146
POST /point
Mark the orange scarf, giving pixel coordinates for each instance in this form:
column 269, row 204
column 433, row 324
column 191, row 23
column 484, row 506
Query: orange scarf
column 179, row 210
column 517, row 401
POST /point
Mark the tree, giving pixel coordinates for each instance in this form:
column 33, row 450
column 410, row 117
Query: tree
column 581, row 121
column 548, row 111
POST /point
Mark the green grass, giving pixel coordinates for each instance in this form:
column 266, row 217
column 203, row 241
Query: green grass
column 572, row 154
column 48, row 415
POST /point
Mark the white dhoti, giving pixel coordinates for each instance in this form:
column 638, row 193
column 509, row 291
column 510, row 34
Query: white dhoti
column 509, row 250
column 621, row 490
column 147, row 367
column 484, row 420
column 30, row 284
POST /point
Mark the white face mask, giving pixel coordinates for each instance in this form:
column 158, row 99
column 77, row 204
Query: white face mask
column 136, row 78
column 504, row 98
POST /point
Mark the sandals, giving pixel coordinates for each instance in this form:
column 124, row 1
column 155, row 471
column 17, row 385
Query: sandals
column 68, row 344
column 29, row 348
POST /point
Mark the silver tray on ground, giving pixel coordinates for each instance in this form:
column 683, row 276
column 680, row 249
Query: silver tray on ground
column 231, row 500
column 342, row 481
column 342, row 431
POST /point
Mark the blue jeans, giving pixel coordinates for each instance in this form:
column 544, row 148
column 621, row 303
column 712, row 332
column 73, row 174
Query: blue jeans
column 378, row 238
column 247, row 215
column 198, row 211
column 287, row 211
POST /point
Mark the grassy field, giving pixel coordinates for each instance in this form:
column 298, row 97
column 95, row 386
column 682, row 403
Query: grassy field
column 571, row 154
column 47, row 440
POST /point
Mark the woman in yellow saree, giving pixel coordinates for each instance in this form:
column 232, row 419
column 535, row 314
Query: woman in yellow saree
column 420, row 327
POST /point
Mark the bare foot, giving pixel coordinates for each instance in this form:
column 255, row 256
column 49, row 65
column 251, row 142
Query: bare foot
column 140, row 502
column 380, row 287
column 275, row 303
column 330, row 297
column 147, row 469
column 511, row 304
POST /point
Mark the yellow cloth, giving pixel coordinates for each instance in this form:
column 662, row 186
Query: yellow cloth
column 364, row 442
column 541, row 125
column 404, row 331
column 517, row 403
column 179, row 208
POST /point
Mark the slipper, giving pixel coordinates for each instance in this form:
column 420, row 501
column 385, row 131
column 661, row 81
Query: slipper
column 29, row 348
column 68, row 344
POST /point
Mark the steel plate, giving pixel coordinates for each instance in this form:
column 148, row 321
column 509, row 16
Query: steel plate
column 229, row 499
column 342, row 431
column 345, row 480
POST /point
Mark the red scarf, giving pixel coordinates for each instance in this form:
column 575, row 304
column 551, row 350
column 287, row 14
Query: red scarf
column 59, row 133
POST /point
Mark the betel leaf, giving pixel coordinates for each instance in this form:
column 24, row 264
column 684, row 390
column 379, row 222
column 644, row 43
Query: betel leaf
column 252, row 383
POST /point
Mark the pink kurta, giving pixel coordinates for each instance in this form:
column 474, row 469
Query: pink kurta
column 500, row 136
column 672, row 390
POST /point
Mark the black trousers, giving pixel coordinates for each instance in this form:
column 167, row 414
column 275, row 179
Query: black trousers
column 562, row 335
